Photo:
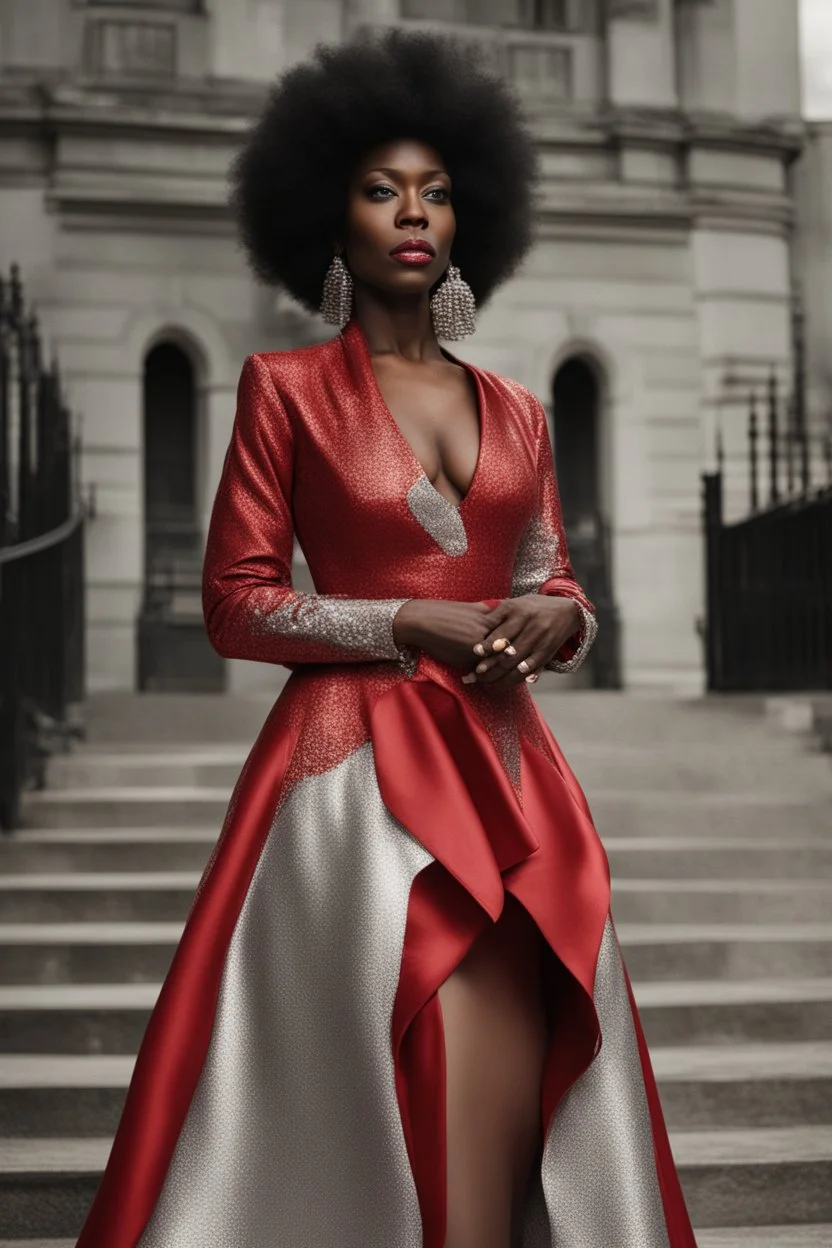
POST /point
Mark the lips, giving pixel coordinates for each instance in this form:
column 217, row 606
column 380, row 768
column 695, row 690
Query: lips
column 414, row 251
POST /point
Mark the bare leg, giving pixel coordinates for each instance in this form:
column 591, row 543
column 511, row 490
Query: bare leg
column 496, row 1036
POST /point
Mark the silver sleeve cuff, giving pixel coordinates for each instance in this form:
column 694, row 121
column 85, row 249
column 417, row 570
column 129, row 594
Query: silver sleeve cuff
column 587, row 635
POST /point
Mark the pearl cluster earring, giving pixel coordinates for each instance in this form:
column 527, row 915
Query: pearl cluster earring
column 336, row 300
column 453, row 308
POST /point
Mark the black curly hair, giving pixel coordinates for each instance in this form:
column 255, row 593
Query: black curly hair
column 290, row 179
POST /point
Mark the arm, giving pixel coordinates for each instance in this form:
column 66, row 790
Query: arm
column 251, row 610
column 542, row 561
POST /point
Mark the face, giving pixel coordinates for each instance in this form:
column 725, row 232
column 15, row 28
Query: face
column 400, row 193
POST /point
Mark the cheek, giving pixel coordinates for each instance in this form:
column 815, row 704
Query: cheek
column 367, row 230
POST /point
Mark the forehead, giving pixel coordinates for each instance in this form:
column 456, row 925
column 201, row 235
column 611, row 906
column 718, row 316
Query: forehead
column 411, row 156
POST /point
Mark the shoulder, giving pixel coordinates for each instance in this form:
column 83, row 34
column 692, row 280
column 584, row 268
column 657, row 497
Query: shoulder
column 282, row 366
column 519, row 397
column 281, row 379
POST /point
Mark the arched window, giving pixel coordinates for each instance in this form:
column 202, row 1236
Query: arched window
column 174, row 653
column 577, row 401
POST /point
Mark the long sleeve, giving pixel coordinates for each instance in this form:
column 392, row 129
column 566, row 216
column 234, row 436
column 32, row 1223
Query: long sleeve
column 251, row 610
column 542, row 563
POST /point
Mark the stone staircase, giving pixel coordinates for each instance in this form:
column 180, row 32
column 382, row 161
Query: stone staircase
column 718, row 826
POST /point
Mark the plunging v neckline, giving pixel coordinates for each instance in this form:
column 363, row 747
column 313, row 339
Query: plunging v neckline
column 353, row 333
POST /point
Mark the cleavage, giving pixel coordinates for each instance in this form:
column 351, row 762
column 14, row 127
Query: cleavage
column 439, row 422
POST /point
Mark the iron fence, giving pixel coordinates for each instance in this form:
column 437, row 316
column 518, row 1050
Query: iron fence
column 41, row 557
column 769, row 573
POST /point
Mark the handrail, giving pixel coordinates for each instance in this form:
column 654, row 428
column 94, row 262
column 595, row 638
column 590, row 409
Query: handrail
column 34, row 545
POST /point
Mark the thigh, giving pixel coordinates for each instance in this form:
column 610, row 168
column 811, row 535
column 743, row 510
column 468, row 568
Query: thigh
column 496, row 1035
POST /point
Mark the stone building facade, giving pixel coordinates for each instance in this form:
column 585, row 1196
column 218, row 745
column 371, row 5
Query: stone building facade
column 662, row 275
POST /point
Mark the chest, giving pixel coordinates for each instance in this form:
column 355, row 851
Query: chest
column 437, row 412
column 465, row 486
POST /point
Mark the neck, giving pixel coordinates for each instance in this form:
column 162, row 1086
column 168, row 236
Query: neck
column 396, row 327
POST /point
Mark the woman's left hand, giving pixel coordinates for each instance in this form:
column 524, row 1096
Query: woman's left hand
column 535, row 626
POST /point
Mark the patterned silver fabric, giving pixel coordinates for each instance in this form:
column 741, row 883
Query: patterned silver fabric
column 438, row 517
column 588, row 633
column 293, row 1138
column 599, row 1172
column 535, row 559
column 361, row 626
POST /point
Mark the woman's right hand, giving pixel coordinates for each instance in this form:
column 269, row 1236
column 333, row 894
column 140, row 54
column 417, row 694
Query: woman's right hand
column 446, row 630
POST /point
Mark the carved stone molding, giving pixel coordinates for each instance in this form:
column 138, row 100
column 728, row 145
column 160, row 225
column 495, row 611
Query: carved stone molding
column 131, row 47
column 639, row 10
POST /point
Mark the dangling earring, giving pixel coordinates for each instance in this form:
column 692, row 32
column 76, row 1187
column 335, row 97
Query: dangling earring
column 453, row 308
column 336, row 299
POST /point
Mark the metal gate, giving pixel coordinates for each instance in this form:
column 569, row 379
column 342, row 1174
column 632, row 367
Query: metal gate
column 769, row 573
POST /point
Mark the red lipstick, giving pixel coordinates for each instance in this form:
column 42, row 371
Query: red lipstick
column 413, row 251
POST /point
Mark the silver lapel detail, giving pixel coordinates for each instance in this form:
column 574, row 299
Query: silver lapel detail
column 438, row 517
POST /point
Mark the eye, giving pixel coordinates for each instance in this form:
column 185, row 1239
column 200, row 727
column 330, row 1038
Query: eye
column 373, row 191
column 442, row 192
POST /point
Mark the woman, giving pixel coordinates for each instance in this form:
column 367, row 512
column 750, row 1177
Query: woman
column 398, row 1015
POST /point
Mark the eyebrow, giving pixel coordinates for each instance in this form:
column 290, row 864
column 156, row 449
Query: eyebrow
column 395, row 173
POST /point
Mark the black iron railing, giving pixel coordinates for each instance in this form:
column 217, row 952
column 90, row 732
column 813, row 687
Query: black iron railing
column 41, row 557
column 769, row 573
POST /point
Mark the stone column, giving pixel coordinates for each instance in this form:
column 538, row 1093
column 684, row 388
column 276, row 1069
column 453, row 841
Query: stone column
column 640, row 54
column 739, row 57
column 252, row 47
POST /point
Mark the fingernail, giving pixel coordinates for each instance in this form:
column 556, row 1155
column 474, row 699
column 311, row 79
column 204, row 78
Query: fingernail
column 531, row 679
column 468, row 678
column 479, row 648
column 481, row 667
column 500, row 643
column 510, row 650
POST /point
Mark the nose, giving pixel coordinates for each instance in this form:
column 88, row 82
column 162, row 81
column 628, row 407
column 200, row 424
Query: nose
column 412, row 211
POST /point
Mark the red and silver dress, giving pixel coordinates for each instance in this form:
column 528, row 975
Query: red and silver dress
column 289, row 1090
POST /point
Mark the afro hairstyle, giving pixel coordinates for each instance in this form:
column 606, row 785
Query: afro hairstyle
column 289, row 181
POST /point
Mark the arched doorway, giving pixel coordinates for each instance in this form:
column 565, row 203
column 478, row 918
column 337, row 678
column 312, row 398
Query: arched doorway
column 577, row 404
column 173, row 651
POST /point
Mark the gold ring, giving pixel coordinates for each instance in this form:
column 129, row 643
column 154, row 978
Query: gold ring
column 523, row 667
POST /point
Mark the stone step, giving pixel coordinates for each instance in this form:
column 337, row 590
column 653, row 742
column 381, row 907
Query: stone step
column 641, row 811
column 747, row 1179
column 646, row 813
column 728, row 951
column 111, row 1017
column 145, row 895
column 707, row 1086
column 101, row 895
column 78, row 953
column 817, row 1236
column 171, row 806
column 47, row 1186
column 744, row 1085
column 672, row 766
column 756, row 1177
column 715, row 900
column 188, row 848
column 194, row 766
column 140, row 952
column 107, row 849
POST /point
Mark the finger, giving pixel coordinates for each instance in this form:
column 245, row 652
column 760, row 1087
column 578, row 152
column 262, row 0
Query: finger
column 493, row 622
column 504, row 663
column 503, row 634
column 485, row 665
